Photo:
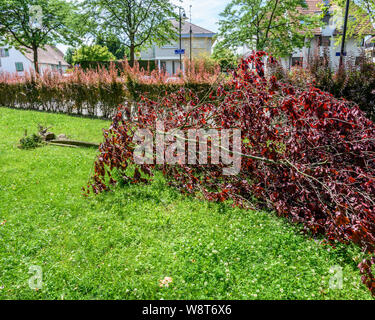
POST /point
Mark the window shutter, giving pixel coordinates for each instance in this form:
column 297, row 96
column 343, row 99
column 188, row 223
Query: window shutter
column 19, row 66
column 4, row 52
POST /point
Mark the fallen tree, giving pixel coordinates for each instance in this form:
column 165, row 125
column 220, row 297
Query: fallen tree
column 305, row 154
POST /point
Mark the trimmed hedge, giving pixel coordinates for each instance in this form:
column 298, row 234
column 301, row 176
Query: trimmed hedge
column 94, row 98
column 94, row 65
column 98, row 100
column 156, row 91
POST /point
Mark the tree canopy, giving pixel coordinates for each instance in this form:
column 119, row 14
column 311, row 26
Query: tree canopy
column 361, row 16
column 278, row 26
column 114, row 45
column 227, row 58
column 92, row 53
column 32, row 24
column 136, row 23
column 69, row 55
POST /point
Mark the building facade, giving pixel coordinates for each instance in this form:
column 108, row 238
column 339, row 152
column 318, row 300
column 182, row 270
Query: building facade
column 165, row 56
column 325, row 41
column 14, row 61
column 370, row 49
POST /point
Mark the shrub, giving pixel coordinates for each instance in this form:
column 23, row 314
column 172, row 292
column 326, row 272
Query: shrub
column 353, row 82
column 95, row 93
column 300, row 77
column 92, row 53
column 203, row 64
column 30, row 142
column 226, row 58
column 97, row 65
column 305, row 154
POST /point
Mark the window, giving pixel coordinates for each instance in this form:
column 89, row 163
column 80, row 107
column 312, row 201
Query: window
column 19, row 66
column 297, row 61
column 163, row 66
column 4, row 52
column 324, row 41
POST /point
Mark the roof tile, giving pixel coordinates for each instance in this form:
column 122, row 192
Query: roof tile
column 48, row 55
column 186, row 28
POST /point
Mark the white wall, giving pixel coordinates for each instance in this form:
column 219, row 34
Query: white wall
column 44, row 67
column 8, row 64
column 200, row 46
column 352, row 47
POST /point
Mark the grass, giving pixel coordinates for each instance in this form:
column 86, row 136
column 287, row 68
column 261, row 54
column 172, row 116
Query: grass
column 120, row 244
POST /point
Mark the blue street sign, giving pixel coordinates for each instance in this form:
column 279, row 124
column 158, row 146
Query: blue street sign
column 338, row 54
column 182, row 51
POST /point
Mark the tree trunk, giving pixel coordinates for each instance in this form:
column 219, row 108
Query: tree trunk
column 132, row 55
column 36, row 64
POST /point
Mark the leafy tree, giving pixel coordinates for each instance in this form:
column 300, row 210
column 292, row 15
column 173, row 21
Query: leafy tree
column 278, row 26
column 361, row 17
column 136, row 23
column 69, row 55
column 114, row 45
column 92, row 53
column 32, row 24
column 225, row 57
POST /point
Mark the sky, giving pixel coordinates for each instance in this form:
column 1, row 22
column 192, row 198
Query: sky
column 204, row 13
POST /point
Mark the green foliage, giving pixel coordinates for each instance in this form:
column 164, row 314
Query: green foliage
column 92, row 53
column 353, row 82
column 54, row 21
column 69, row 55
column 225, row 57
column 277, row 26
column 149, row 65
column 114, row 45
column 361, row 17
column 135, row 23
column 119, row 245
column 30, row 142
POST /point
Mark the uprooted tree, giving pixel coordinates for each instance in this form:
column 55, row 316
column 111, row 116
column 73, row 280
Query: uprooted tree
column 304, row 153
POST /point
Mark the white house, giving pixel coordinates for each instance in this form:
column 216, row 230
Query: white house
column 324, row 40
column 165, row 56
column 14, row 61
column 370, row 48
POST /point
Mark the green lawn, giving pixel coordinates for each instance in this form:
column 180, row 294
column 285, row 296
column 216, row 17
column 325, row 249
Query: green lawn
column 120, row 244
